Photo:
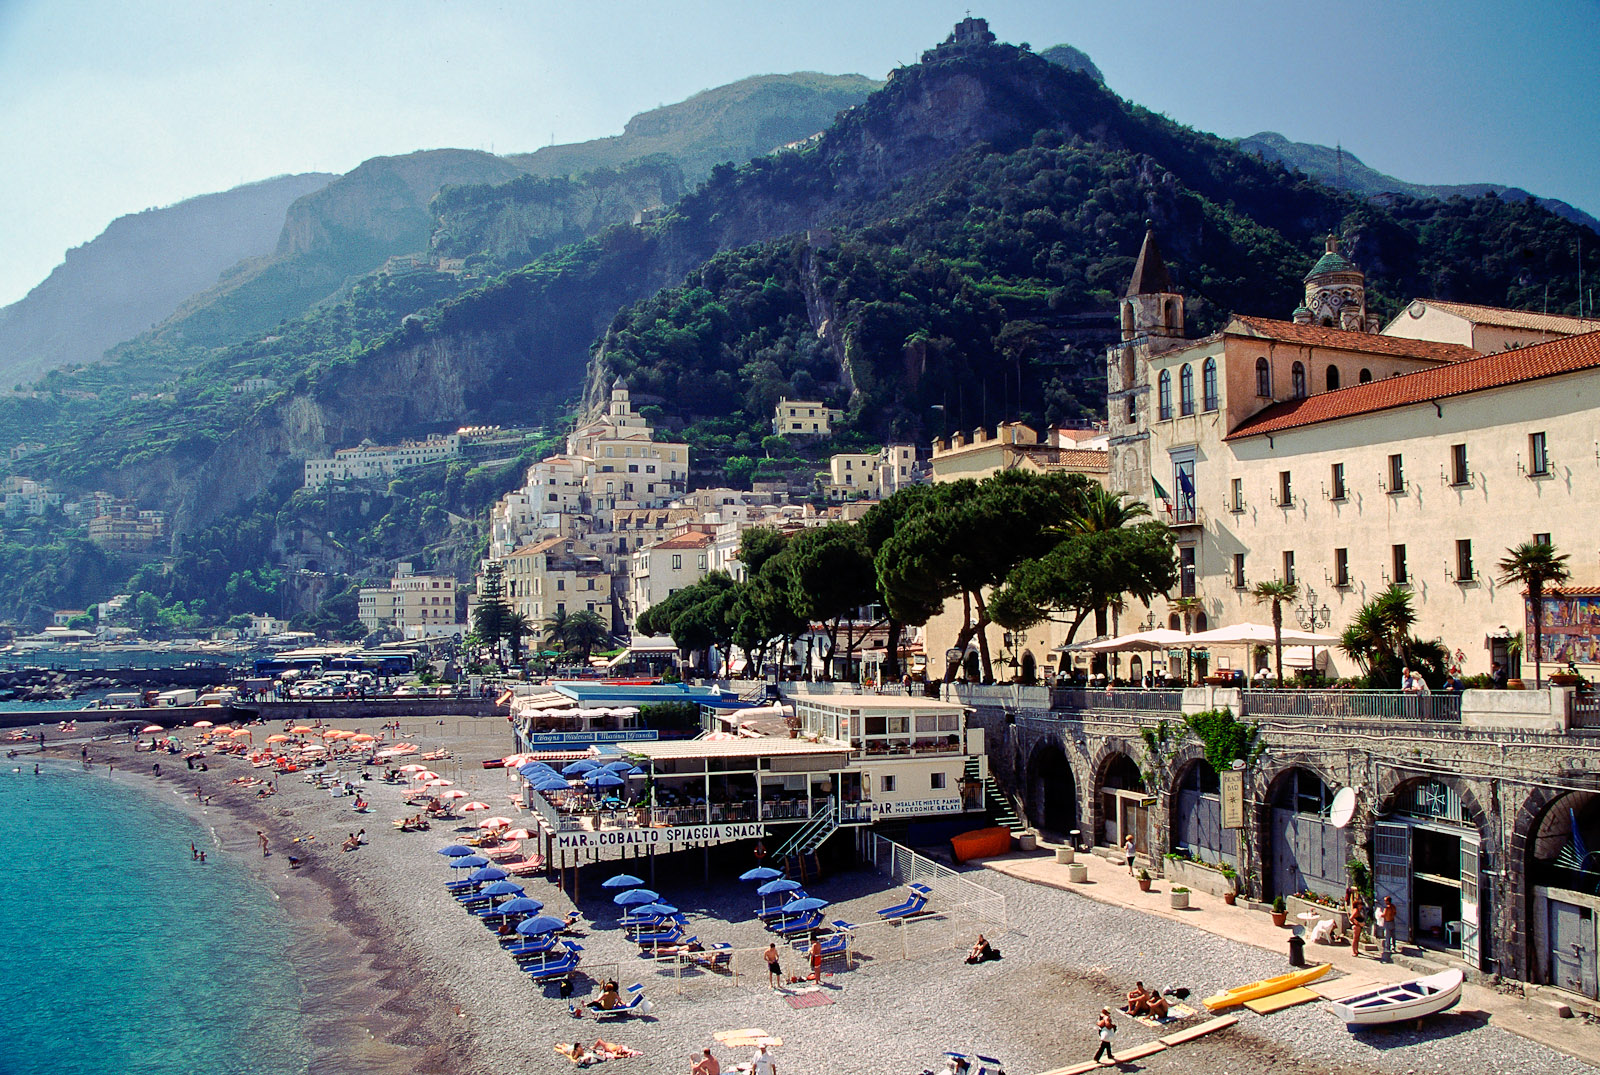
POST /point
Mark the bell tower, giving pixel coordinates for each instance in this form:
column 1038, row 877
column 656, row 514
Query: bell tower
column 1151, row 307
column 1336, row 293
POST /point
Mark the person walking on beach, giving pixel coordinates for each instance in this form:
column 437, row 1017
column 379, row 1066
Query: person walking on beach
column 774, row 971
column 1386, row 917
column 262, row 836
column 1127, row 853
column 762, row 1064
column 1107, row 1030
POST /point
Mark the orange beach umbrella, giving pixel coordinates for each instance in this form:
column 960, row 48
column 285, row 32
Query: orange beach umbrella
column 150, row 729
column 300, row 729
column 277, row 738
column 202, row 724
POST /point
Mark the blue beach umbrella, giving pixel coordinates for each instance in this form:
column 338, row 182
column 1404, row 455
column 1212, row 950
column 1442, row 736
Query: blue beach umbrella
column 603, row 779
column 635, row 896
column 533, row 927
column 622, row 880
column 810, row 903
column 551, row 783
column 772, row 888
column 488, row 873
column 578, row 768
column 455, row 851
column 655, row 909
column 521, row 905
column 468, row 862
column 760, row 873
column 618, row 766
column 502, row 888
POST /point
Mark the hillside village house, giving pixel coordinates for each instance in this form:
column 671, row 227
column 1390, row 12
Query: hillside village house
column 421, row 606
column 871, row 474
column 369, row 460
column 669, row 565
column 804, row 418
column 557, row 575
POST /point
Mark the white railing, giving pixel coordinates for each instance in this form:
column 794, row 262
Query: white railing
column 952, row 890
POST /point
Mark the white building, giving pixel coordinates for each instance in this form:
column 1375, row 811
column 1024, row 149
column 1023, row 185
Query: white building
column 873, row 475
column 668, row 566
column 370, row 460
column 422, row 606
column 804, row 418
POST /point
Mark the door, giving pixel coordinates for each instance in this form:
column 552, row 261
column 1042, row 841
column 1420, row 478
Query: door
column 1471, row 935
column 1200, row 829
column 1308, row 854
column 1572, row 962
column 1391, row 873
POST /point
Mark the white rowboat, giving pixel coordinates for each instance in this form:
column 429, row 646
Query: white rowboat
column 1402, row 1001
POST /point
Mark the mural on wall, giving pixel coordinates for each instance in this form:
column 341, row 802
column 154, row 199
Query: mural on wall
column 1571, row 629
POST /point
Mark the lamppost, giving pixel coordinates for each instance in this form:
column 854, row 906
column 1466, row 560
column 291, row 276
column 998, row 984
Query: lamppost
column 1309, row 615
column 1012, row 640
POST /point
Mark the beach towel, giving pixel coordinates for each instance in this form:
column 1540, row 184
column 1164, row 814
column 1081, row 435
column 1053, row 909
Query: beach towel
column 1175, row 1014
column 565, row 1049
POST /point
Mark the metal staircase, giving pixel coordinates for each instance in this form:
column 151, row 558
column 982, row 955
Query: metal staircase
column 808, row 838
column 996, row 801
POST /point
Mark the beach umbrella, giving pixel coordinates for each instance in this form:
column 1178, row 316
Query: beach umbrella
column 772, row 888
column 202, row 724
column 621, row 766
column 622, row 880
column 424, row 774
column 760, row 873
column 540, row 924
column 334, row 733
column 655, row 909
column 502, row 888
column 495, row 823
column 413, row 768
column 521, row 905
column 452, row 794
column 277, row 738
column 578, row 768
column 517, row 834
column 363, row 737
column 437, row 782
column 603, row 779
column 456, row 851
column 635, row 771
column 474, row 807
column 150, row 729
column 511, row 761
column 298, row 729
column 487, row 873
column 551, row 783
column 242, row 731
column 635, row 896
column 465, row 862
column 810, row 903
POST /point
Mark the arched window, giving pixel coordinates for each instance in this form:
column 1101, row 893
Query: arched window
column 1164, row 395
column 1297, row 378
column 1263, row 378
column 1201, row 623
column 1174, row 622
column 1364, row 376
column 1208, row 383
column 1333, row 378
column 1186, row 390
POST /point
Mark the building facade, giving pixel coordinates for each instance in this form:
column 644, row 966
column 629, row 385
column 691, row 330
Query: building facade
column 369, row 460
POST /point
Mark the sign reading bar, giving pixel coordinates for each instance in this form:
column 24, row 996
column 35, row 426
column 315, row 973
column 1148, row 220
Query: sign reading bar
column 1232, row 798
column 913, row 807
column 676, row 834
column 556, row 739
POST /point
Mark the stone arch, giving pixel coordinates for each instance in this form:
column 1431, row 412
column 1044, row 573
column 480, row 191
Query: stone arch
column 1050, row 791
column 1423, row 864
column 1391, row 784
column 1194, row 810
column 1030, row 667
column 1525, row 926
column 1114, row 767
column 1300, row 849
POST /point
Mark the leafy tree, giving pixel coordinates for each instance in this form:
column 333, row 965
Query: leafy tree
column 1379, row 639
column 1276, row 592
column 1535, row 566
column 830, row 577
column 696, row 617
column 1084, row 574
column 585, row 631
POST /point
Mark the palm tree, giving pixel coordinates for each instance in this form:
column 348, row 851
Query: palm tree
column 555, row 629
column 515, row 628
column 1379, row 638
column 1275, row 592
column 584, row 631
column 1101, row 510
column 1534, row 564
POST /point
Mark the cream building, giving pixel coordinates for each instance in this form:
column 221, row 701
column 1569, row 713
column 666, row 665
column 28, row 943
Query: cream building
column 871, row 474
column 669, row 565
column 804, row 418
column 369, row 460
column 1015, row 446
column 421, row 606
column 557, row 575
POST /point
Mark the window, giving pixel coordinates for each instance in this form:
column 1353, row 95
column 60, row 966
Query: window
column 885, row 783
column 1186, row 389
column 1397, row 475
column 1236, row 496
column 1133, row 408
column 1459, row 474
column 1208, row 384
column 677, row 561
column 1186, row 571
column 1183, row 477
column 1541, row 539
column 1333, row 378
column 1164, row 395
column 936, row 781
column 1341, row 568
column 1538, row 456
column 561, row 584
column 1263, row 378
column 1285, row 490
column 1238, row 571
column 1398, row 558
column 1288, row 567
column 1297, row 380
column 1336, row 482
column 1464, row 560
column 1364, row 376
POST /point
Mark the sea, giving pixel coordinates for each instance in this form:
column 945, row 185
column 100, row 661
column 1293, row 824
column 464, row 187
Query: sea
column 122, row 954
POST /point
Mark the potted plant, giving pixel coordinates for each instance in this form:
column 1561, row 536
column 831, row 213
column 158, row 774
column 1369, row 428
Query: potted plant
column 1179, row 897
column 1280, row 911
column 1144, row 880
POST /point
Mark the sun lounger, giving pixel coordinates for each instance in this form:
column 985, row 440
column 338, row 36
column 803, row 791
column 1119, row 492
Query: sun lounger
column 801, row 924
column 910, row 906
column 636, row 1005
column 558, row 968
column 836, row 944
column 718, row 957
column 539, row 948
column 777, row 910
column 522, row 867
column 659, row 937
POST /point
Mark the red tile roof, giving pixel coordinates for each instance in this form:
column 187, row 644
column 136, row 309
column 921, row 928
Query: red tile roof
column 1494, row 315
column 1568, row 355
column 1370, row 342
column 695, row 539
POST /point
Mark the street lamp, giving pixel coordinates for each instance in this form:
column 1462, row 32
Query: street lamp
column 1309, row 615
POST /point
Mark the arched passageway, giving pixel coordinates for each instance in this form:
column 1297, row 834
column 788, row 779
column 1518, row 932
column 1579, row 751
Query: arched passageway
column 1052, row 793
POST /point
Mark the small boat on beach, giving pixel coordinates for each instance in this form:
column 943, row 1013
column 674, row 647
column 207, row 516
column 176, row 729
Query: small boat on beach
column 1402, row 1001
column 1266, row 987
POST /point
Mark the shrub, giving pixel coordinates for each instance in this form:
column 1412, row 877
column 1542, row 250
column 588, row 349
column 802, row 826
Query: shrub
column 1278, row 906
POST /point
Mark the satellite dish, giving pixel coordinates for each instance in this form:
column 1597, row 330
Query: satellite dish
column 1344, row 807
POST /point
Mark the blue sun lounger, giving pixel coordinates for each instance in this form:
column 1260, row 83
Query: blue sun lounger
column 717, row 957
column 800, row 924
column 777, row 910
column 635, row 1006
column 533, row 949
column 909, row 906
column 659, row 937
column 558, row 968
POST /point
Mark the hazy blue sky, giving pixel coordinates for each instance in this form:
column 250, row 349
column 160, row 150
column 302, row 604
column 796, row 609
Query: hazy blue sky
column 112, row 107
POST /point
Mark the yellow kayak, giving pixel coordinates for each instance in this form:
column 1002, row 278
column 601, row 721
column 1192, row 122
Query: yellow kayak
column 1231, row 998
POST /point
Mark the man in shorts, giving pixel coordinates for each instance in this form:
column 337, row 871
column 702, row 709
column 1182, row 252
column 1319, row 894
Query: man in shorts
column 774, row 972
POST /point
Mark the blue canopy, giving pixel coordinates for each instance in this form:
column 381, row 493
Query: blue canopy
column 468, row 862
column 810, row 903
column 578, row 768
column 636, row 896
column 533, row 927
column 487, row 873
column 535, row 769
column 521, row 905
column 622, row 880
column 552, row 782
column 502, row 888
column 772, row 888
column 455, row 851
column 619, row 766
column 603, row 779
column 655, row 909
column 760, row 873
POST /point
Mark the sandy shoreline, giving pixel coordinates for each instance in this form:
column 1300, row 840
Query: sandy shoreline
column 386, row 960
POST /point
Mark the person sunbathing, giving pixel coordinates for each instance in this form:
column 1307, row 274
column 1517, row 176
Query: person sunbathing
column 982, row 951
column 1138, row 999
column 1156, row 1005
column 610, row 998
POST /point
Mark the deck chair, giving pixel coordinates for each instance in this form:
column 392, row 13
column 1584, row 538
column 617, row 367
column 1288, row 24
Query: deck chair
column 718, row 957
column 802, row 924
column 636, row 1005
column 905, row 908
column 559, row 968
column 659, row 937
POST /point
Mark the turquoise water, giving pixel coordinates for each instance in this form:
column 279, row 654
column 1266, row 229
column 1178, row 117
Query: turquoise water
column 119, row 953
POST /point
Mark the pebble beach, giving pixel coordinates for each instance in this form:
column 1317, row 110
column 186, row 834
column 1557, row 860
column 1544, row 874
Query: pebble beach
column 396, row 977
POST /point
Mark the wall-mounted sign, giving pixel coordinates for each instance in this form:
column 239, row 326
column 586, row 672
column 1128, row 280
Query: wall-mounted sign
column 558, row 739
column 676, row 834
column 1232, row 798
column 915, row 807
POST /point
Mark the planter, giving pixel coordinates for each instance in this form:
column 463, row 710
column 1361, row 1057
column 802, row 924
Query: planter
column 1564, row 679
column 1065, row 856
column 1144, row 884
column 1295, row 906
column 1230, row 898
column 1180, row 900
column 1198, row 876
column 1514, row 685
column 1077, row 873
column 1279, row 917
column 1028, row 841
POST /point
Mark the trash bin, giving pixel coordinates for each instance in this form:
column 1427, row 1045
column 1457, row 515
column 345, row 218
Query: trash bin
column 1074, row 834
column 1297, row 949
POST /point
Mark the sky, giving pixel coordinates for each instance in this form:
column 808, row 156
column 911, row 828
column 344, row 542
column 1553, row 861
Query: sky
column 112, row 107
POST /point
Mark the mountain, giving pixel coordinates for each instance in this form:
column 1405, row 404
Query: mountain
column 139, row 271
column 1343, row 169
column 735, row 122
column 1073, row 60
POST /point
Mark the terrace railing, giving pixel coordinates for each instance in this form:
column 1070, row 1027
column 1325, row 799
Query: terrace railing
column 1440, row 708
column 1117, row 699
